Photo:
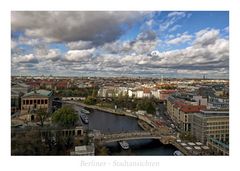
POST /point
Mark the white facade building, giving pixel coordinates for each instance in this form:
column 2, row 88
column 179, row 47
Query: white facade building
column 139, row 94
column 200, row 100
column 156, row 93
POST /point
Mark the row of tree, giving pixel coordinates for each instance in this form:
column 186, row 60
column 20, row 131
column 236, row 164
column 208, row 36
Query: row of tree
column 64, row 117
column 30, row 142
column 80, row 92
column 147, row 104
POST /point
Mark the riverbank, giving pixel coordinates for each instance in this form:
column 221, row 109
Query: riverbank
column 144, row 126
column 144, row 121
column 117, row 112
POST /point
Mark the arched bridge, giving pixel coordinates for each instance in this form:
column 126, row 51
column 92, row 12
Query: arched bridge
column 107, row 138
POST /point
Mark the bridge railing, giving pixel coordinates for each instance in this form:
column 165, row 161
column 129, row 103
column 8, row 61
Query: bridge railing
column 129, row 134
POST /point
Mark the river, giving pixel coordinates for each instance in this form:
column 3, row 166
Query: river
column 110, row 123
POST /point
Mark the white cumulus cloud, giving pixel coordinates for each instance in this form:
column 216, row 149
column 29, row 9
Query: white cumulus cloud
column 181, row 39
column 79, row 55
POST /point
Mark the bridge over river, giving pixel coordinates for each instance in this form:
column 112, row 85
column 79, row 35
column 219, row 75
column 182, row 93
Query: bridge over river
column 164, row 138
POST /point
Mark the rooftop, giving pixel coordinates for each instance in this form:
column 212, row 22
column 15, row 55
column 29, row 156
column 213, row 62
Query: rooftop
column 83, row 150
column 39, row 92
column 18, row 84
column 215, row 112
column 209, row 114
column 192, row 109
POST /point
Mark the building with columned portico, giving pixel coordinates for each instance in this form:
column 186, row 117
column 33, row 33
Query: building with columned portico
column 34, row 100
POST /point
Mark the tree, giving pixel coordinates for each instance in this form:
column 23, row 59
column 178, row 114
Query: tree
column 42, row 114
column 28, row 143
column 100, row 150
column 146, row 104
column 90, row 100
column 65, row 117
column 150, row 108
column 94, row 93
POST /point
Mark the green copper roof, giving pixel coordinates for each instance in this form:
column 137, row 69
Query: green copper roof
column 39, row 92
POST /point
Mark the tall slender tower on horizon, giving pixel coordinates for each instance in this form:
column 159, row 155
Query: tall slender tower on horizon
column 204, row 77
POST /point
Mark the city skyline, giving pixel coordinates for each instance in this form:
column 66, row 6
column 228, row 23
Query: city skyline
column 149, row 44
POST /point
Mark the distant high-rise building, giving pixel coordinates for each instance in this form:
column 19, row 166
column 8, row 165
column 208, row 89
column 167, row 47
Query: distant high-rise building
column 204, row 77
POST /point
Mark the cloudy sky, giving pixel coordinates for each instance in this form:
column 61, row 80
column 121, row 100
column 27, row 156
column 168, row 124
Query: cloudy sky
column 149, row 44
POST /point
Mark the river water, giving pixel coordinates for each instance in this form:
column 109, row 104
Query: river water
column 110, row 123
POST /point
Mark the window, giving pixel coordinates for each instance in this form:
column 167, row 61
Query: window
column 79, row 132
column 32, row 117
column 30, row 102
column 24, row 102
column 34, row 101
column 38, row 101
column 46, row 101
column 42, row 101
column 27, row 101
